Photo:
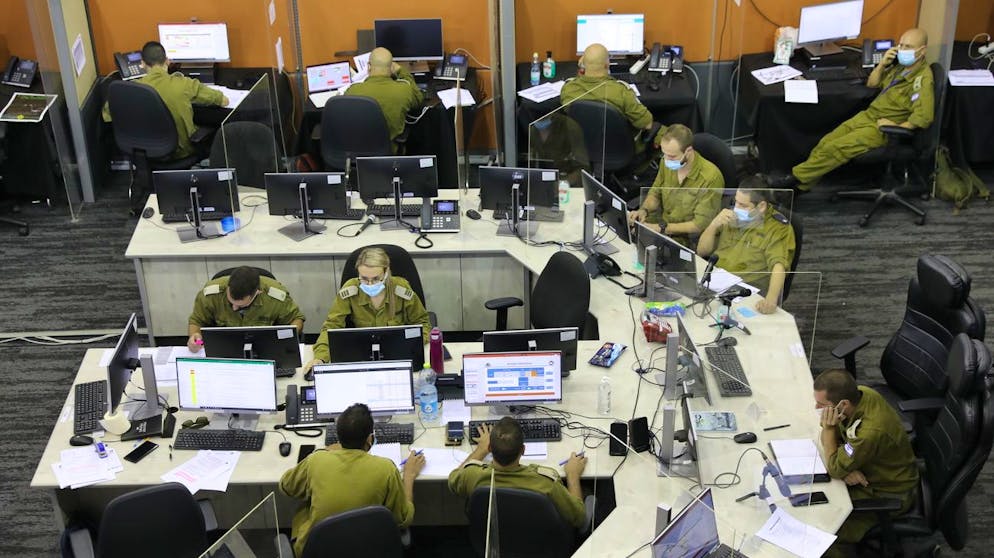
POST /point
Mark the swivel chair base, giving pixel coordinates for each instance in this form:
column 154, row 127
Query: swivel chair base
column 881, row 196
column 23, row 228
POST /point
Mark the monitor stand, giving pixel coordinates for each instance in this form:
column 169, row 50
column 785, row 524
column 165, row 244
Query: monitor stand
column 816, row 51
column 200, row 230
column 526, row 229
column 589, row 243
column 203, row 71
column 415, row 66
column 682, row 467
column 306, row 227
column 397, row 223
column 229, row 421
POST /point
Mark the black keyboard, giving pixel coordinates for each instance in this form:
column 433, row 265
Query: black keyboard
column 89, row 407
column 833, row 74
column 386, row 210
column 349, row 215
column 221, row 440
column 535, row 429
column 185, row 218
column 386, row 433
column 727, row 371
column 285, row 372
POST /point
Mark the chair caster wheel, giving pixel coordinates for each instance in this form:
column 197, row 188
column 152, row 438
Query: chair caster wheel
column 863, row 221
column 920, row 221
column 23, row 231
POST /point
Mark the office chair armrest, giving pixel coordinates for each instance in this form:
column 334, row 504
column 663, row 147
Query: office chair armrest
column 922, row 404
column 81, row 543
column 897, row 132
column 589, row 506
column 503, row 302
column 283, row 545
column 202, row 134
column 210, row 518
column 877, row 505
column 650, row 134
column 847, row 351
column 402, row 138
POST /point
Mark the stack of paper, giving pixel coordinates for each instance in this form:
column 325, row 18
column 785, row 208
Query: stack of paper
column 542, row 92
column 83, row 467
column 319, row 99
column 235, row 96
column 793, row 536
column 208, row 470
column 798, row 457
column 775, row 74
column 449, row 100
column 971, row 78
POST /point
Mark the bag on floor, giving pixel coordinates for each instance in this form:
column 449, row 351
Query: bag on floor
column 956, row 184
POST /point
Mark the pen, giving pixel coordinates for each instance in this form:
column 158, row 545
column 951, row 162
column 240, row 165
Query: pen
column 418, row 452
column 170, row 452
column 777, row 427
column 563, row 462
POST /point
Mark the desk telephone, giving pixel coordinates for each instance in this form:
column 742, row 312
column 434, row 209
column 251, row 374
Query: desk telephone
column 130, row 65
column 20, row 72
column 873, row 51
column 453, row 67
column 666, row 58
column 440, row 216
column 302, row 406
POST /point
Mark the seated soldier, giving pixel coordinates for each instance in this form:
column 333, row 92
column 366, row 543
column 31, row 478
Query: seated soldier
column 392, row 87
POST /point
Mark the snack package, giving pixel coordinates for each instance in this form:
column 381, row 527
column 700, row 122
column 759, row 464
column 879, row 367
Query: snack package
column 654, row 327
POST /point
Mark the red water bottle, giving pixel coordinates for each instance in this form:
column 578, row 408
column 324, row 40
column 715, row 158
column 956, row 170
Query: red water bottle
column 435, row 353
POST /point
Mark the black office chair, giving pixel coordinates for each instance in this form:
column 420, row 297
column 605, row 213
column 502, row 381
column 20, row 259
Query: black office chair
column 951, row 453
column 353, row 126
column 401, row 265
column 226, row 272
column 610, row 146
column 248, row 147
column 144, row 128
column 714, row 149
column 157, row 521
column 904, row 148
column 560, row 298
column 369, row 532
column 797, row 224
column 22, row 226
column 528, row 524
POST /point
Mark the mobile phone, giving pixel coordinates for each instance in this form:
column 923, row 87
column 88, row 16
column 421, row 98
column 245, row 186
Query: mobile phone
column 808, row 499
column 619, row 437
column 455, row 432
column 141, row 451
column 305, row 450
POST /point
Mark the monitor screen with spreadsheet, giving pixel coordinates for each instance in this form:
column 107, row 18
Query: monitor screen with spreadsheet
column 502, row 378
column 226, row 385
column 386, row 386
column 195, row 42
column 619, row 33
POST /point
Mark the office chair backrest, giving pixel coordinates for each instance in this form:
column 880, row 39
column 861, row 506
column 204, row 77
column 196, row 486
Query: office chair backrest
column 353, row 126
column 717, row 151
column 141, row 120
column 157, row 521
column 248, row 147
column 401, row 265
column 370, row 532
column 227, row 272
column 528, row 524
column 561, row 296
column 797, row 224
column 928, row 139
column 606, row 134
column 941, row 289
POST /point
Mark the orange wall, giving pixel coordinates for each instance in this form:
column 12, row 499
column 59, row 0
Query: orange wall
column 975, row 16
column 15, row 31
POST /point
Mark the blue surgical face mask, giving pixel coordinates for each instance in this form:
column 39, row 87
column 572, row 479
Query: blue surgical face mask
column 743, row 215
column 906, row 57
column 543, row 124
column 673, row 165
column 374, row 289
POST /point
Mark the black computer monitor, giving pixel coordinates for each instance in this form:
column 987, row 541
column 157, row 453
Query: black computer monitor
column 306, row 195
column 675, row 267
column 410, row 39
column 195, row 196
column 562, row 339
column 609, row 208
column 276, row 343
column 378, row 343
column 689, row 359
column 505, row 190
column 416, row 176
column 123, row 363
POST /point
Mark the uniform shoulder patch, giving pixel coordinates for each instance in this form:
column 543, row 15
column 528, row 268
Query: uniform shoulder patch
column 548, row 472
column 212, row 289
column 348, row 291
column 918, row 83
column 278, row 294
column 404, row 292
column 780, row 218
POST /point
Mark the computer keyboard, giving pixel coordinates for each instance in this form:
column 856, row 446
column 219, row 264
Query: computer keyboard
column 542, row 213
column 89, row 407
column 185, row 218
column 349, row 215
column 833, row 75
column 535, row 429
column 387, row 210
column 727, row 371
column 285, row 372
column 226, row 440
column 386, row 433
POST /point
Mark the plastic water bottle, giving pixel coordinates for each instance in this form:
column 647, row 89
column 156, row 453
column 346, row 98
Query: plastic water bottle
column 603, row 396
column 563, row 189
column 436, row 355
column 549, row 66
column 536, row 73
column 419, row 382
column 429, row 397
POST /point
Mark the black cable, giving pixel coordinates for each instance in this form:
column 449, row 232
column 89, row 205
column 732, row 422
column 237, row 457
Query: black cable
column 343, row 227
column 763, row 15
column 422, row 235
column 721, row 35
column 878, row 12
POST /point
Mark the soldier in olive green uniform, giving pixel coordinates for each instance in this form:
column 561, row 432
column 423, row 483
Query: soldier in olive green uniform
column 753, row 241
column 347, row 477
column 177, row 92
column 866, row 446
column 506, row 442
column 243, row 298
column 906, row 100
column 686, row 194
column 395, row 95
column 596, row 84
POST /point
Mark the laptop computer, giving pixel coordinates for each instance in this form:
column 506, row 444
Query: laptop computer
column 693, row 533
column 325, row 80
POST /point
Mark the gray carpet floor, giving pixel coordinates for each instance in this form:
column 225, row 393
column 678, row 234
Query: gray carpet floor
column 73, row 275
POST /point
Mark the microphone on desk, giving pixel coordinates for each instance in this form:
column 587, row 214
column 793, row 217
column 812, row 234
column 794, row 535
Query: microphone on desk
column 735, row 292
column 729, row 322
column 370, row 219
column 774, row 471
column 706, row 278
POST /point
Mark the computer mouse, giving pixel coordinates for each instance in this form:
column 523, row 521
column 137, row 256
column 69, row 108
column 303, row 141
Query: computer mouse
column 309, row 376
column 148, row 213
column 80, row 440
column 473, row 214
column 285, row 448
column 744, row 438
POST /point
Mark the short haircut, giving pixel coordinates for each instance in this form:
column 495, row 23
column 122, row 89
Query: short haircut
column 838, row 385
column 756, row 187
column 153, row 53
column 506, row 441
column 354, row 426
column 682, row 134
column 243, row 282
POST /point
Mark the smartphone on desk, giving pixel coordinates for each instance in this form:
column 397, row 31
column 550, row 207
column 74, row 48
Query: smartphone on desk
column 808, row 499
column 141, row 451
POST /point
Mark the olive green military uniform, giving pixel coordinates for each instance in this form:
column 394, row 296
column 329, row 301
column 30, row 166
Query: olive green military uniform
column 396, row 97
column 904, row 98
column 751, row 251
column 697, row 198
column 336, row 481
column 178, row 92
column 544, row 480
column 873, row 442
column 401, row 306
column 272, row 306
column 606, row 88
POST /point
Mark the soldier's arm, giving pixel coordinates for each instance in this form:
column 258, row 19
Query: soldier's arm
column 201, row 94
column 852, row 455
column 400, row 498
column 922, row 104
column 294, row 483
column 415, row 313
column 417, row 97
column 635, row 111
column 340, row 309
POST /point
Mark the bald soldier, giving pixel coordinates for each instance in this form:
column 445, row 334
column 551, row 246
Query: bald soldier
column 392, row 87
column 753, row 241
column 507, row 444
column 905, row 100
column 596, row 84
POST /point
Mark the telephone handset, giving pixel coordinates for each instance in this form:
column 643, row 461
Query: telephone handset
column 659, row 59
column 20, row 72
column 452, row 67
column 302, row 406
column 874, row 49
column 676, row 55
column 130, row 65
column 440, row 216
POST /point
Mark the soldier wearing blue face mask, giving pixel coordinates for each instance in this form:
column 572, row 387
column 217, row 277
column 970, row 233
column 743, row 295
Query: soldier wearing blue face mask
column 374, row 298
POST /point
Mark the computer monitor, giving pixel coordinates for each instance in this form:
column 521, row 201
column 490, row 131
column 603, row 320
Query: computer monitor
column 396, row 178
column 410, row 39
column 199, row 195
column 328, row 77
column 512, row 378
column 824, row 23
column 609, row 208
column 621, row 34
column 675, row 265
column 693, row 532
column 195, row 42
column 506, row 190
column 562, row 339
column 378, row 343
column 276, row 343
column 306, row 195
column 689, row 359
column 227, row 386
column 386, row 387
column 123, row 362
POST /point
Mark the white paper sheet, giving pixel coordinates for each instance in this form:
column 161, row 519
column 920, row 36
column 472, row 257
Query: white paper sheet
column 362, row 63
column 182, row 352
column 456, row 410
column 390, row 451
column 536, row 451
column 775, row 74
column 448, row 98
column 798, row 457
column 721, row 280
column 235, row 96
column 542, row 92
column 319, row 99
column 800, row 91
column 971, row 78
column 439, row 462
column 200, row 470
column 219, row 482
column 794, row 536
column 83, row 466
